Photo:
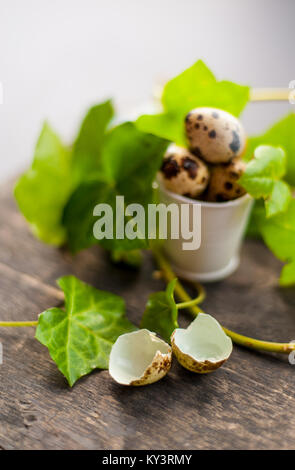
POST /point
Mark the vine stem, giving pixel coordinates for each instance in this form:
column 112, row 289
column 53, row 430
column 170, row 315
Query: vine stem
column 269, row 94
column 15, row 324
column 188, row 304
column 256, row 94
column 193, row 302
column 252, row 343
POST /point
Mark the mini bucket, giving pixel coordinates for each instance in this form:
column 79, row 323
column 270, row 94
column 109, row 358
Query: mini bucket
column 222, row 228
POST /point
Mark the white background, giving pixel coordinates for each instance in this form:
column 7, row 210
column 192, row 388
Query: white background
column 57, row 57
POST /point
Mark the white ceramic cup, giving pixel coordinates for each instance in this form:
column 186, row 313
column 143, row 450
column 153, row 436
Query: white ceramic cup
column 222, row 228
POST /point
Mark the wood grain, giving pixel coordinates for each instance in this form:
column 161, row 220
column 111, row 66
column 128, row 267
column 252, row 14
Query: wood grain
column 247, row 404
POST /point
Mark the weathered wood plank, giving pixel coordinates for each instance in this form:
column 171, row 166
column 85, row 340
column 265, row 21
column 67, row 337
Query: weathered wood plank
column 249, row 403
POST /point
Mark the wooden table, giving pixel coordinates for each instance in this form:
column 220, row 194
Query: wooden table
column 247, row 404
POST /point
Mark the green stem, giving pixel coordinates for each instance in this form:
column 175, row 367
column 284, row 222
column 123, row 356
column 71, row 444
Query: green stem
column 197, row 300
column 189, row 303
column 252, row 343
column 18, row 323
column 201, row 290
column 169, row 276
column 269, row 94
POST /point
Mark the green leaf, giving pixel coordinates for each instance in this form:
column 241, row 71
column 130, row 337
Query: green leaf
column 130, row 160
column 197, row 86
column 132, row 258
column 88, row 146
column 42, row 192
column 160, row 315
column 262, row 176
column 288, row 275
column 79, row 219
column 253, row 230
column 279, row 199
column 80, row 337
column 163, row 125
column 78, row 214
column 269, row 162
column 280, row 134
column 278, row 233
column 194, row 87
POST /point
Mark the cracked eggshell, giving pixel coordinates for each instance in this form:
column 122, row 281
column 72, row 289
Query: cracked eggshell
column 139, row 358
column 203, row 347
column 214, row 135
column 223, row 185
column 183, row 173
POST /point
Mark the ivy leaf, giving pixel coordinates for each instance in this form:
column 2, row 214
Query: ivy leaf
column 160, row 315
column 187, row 88
column 279, row 199
column 197, row 86
column 130, row 160
column 42, row 192
column 268, row 164
column 131, row 258
column 253, row 230
column 165, row 125
column 86, row 160
column 278, row 233
column 78, row 214
column 194, row 87
column 288, row 275
column 79, row 219
column 80, row 337
column 280, row 134
column 262, row 176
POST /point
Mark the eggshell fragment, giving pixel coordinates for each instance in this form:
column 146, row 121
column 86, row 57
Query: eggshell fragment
column 203, row 347
column 139, row 358
column 214, row 135
column 223, row 185
column 183, row 173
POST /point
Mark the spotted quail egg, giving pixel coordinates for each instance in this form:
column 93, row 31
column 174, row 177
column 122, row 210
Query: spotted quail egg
column 184, row 173
column 214, row 135
column 223, row 185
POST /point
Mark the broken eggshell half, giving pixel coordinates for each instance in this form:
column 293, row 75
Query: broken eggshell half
column 203, row 346
column 139, row 358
